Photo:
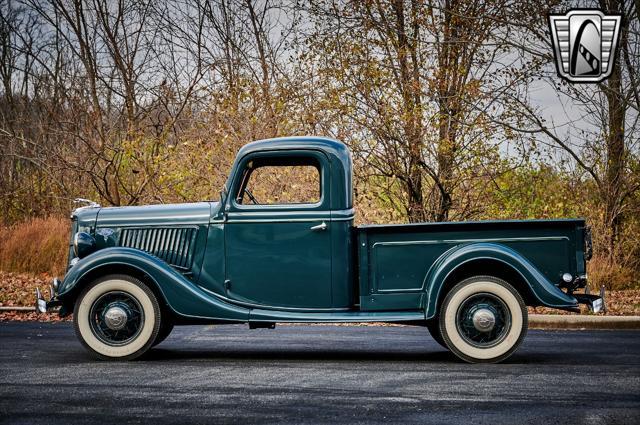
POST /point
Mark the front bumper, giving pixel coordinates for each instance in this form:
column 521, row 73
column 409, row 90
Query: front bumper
column 43, row 305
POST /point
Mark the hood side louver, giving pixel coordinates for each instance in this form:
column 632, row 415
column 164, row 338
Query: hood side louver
column 172, row 244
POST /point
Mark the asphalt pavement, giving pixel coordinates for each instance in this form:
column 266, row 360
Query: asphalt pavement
column 317, row 374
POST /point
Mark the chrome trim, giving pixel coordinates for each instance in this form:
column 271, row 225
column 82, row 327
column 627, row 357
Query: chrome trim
column 322, row 226
column 55, row 284
column 115, row 318
column 41, row 304
column 279, row 207
column 432, row 242
column 484, row 320
column 75, row 244
column 597, row 305
column 287, row 220
column 153, row 224
column 280, row 220
column 174, row 244
column 92, row 204
column 342, row 218
column 53, row 290
column 116, row 221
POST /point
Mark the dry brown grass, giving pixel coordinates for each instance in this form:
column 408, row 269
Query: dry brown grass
column 36, row 246
column 612, row 276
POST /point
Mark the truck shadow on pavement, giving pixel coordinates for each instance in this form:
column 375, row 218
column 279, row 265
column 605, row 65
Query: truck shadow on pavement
column 161, row 354
column 311, row 355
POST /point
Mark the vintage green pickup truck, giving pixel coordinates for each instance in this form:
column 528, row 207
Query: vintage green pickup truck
column 281, row 246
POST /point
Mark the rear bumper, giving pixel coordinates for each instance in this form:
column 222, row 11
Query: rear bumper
column 43, row 305
column 594, row 302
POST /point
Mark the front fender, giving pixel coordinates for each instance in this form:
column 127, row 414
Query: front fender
column 543, row 290
column 181, row 295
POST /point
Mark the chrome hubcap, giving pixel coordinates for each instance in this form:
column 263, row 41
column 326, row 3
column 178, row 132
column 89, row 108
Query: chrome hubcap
column 484, row 320
column 115, row 318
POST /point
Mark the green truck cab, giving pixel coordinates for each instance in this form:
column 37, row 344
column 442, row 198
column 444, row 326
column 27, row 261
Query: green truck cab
column 281, row 246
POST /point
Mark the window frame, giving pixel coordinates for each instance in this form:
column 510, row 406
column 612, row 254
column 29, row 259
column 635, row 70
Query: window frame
column 243, row 174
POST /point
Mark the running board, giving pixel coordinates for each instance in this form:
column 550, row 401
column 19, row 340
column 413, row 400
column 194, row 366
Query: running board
column 260, row 315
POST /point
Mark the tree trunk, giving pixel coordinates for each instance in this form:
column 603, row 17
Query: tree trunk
column 448, row 92
column 411, row 89
column 615, row 146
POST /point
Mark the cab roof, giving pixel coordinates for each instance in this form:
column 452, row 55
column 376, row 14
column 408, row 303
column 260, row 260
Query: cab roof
column 325, row 144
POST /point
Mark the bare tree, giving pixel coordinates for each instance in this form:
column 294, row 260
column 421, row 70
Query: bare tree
column 420, row 93
column 601, row 132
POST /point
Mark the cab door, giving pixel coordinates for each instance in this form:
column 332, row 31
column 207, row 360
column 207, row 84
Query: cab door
column 278, row 233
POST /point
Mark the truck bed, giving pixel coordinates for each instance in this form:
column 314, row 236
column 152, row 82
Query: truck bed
column 394, row 260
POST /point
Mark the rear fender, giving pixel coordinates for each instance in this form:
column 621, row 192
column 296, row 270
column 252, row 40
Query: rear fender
column 545, row 292
column 181, row 295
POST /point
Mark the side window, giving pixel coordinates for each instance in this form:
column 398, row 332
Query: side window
column 280, row 181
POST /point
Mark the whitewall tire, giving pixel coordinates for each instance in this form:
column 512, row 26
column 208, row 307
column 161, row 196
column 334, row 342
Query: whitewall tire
column 117, row 317
column 483, row 319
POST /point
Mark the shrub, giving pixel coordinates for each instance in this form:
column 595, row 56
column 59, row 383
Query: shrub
column 612, row 276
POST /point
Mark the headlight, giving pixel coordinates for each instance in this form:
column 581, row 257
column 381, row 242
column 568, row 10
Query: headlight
column 83, row 244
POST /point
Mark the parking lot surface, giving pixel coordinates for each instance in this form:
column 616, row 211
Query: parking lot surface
column 317, row 374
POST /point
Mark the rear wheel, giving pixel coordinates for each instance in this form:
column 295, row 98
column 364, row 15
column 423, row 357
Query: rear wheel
column 483, row 319
column 117, row 317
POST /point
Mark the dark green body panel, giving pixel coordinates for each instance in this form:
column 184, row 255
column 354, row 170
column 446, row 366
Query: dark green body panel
column 176, row 233
column 212, row 275
column 221, row 261
column 279, row 264
column 180, row 294
column 273, row 258
column 407, row 264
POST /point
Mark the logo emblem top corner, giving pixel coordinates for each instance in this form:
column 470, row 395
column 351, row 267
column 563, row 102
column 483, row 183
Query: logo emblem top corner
column 584, row 44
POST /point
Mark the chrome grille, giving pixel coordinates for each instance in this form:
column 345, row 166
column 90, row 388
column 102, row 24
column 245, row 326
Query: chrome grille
column 172, row 244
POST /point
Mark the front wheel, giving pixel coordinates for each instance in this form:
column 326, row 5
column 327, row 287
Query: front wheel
column 117, row 317
column 483, row 319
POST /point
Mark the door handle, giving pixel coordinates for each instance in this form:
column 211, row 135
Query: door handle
column 321, row 226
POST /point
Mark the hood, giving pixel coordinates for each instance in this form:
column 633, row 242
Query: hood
column 157, row 215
